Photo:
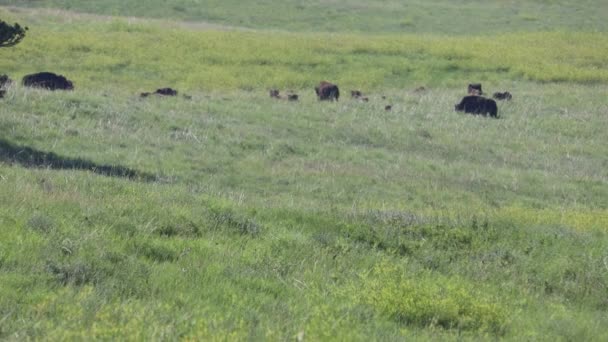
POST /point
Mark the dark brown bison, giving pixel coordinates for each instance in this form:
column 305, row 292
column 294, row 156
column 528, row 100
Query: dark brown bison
column 47, row 80
column 327, row 91
column 355, row 94
column 162, row 92
column 477, row 105
column 503, row 96
column 388, row 108
column 2, row 93
column 166, row 92
column 5, row 81
column 274, row 93
column 292, row 97
column 474, row 89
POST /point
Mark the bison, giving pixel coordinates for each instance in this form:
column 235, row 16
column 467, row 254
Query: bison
column 355, row 94
column 327, row 91
column 166, row 92
column 47, row 80
column 477, row 105
column 474, row 89
column 5, row 81
column 274, row 93
column 503, row 96
column 162, row 92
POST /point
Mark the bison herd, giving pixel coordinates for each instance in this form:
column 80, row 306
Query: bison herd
column 474, row 103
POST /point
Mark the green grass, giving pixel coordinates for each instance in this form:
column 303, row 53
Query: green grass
column 139, row 56
column 418, row 16
column 231, row 216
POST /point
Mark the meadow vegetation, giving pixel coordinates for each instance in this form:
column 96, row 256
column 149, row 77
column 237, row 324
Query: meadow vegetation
column 136, row 55
column 233, row 216
column 415, row 16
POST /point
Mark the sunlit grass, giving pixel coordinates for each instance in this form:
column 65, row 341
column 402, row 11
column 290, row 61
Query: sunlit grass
column 139, row 56
column 275, row 220
column 485, row 17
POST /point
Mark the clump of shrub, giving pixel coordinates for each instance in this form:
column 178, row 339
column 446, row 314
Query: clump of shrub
column 177, row 226
column 227, row 219
column 430, row 300
column 156, row 251
column 41, row 223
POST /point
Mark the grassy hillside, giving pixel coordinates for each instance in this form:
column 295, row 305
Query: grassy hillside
column 136, row 56
column 478, row 17
column 234, row 216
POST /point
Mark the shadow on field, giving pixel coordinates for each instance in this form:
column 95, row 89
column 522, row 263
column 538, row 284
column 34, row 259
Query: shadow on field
column 31, row 158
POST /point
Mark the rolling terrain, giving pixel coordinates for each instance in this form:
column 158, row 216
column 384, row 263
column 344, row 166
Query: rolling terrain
column 228, row 215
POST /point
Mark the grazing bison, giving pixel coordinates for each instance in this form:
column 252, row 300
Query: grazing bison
column 503, row 96
column 327, row 91
column 477, row 105
column 2, row 93
column 5, row 81
column 162, row 92
column 292, row 97
column 166, row 92
column 388, row 108
column 47, row 80
column 474, row 89
column 274, row 93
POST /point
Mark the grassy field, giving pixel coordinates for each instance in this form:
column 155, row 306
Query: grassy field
column 136, row 55
column 232, row 216
column 416, row 16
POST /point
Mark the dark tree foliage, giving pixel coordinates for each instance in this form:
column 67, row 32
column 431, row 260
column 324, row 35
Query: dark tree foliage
column 11, row 35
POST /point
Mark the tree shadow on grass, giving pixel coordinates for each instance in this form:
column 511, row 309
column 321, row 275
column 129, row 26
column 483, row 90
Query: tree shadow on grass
column 32, row 158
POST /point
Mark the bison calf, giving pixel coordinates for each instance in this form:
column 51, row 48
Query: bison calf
column 477, row 105
column 274, row 93
column 327, row 91
column 5, row 81
column 503, row 96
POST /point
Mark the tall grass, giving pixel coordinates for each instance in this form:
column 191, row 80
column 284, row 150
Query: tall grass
column 140, row 56
column 476, row 17
column 243, row 217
